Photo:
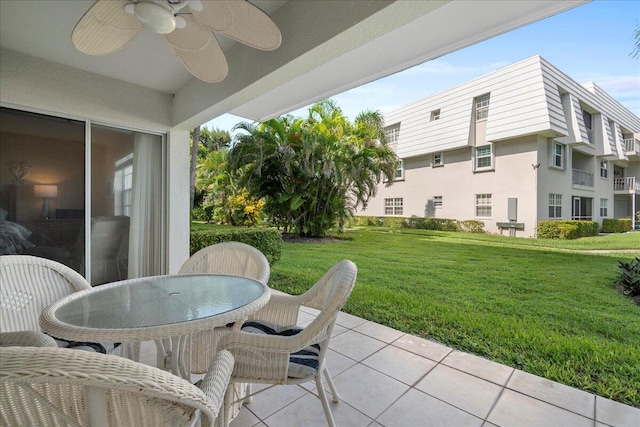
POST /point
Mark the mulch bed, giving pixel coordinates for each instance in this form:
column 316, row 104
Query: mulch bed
column 296, row 238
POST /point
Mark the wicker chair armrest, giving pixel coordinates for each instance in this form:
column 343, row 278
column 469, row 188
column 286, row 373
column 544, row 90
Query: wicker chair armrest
column 282, row 309
column 26, row 339
column 215, row 382
column 263, row 343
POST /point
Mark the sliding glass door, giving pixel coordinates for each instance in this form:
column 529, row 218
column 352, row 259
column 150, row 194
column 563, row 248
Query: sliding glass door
column 64, row 183
column 127, row 220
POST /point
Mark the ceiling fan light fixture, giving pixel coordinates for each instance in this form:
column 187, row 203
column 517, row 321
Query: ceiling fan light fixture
column 159, row 19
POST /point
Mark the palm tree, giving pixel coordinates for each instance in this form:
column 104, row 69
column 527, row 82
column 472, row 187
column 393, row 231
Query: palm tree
column 314, row 173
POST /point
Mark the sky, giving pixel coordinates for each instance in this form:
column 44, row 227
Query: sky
column 591, row 42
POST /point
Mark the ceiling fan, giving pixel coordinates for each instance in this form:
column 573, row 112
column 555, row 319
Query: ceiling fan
column 186, row 26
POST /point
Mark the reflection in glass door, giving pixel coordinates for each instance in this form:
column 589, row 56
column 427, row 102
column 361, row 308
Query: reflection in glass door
column 42, row 187
column 127, row 219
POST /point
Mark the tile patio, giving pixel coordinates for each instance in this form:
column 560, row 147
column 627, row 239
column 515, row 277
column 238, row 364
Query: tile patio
column 391, row 379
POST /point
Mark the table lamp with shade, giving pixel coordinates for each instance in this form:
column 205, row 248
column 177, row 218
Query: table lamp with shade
column 46, row 192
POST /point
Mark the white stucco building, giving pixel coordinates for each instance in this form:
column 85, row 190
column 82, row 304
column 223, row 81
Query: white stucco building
column 522, row 144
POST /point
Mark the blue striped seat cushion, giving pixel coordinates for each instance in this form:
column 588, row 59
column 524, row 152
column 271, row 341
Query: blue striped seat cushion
column 303, row 363
column 104, row 348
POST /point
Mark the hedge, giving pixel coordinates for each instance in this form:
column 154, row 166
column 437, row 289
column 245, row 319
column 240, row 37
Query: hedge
column 268, row 241
column 436, row 224
column 620, row 225
column 567, row 229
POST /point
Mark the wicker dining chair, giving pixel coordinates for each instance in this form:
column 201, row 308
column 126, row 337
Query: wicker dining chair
column 28, row 285
column 229, row 258
column 61, row 387
column 270, row 349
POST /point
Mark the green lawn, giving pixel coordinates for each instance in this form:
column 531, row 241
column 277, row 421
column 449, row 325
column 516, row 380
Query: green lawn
column 536, row 305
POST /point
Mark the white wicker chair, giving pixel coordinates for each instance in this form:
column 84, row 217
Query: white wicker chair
column 61, row 387
column 230, row 258
column 28, row 284
column 267, row 359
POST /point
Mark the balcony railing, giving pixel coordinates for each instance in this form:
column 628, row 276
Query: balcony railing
column 629, row 183
column 632, row 145
column 582, row 178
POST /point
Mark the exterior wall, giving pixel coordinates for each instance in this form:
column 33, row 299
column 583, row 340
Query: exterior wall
column 532, row 104
column 458, row 184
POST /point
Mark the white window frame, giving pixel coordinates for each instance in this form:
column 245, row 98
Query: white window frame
column 482, row 107
column 437, row 201
column 558, row 156
column 435, row 115
column 393, row 133
column 393, row 206
column 123, row 185
column 437, row 160
column 604, row 208
column 483, row 205
column 399, row 176
column 604, row 169
column 555, row 205
column 476, row 158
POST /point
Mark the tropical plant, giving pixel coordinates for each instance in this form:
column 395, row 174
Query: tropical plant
column 313, row 172
column 206, row 141
column 629, row 277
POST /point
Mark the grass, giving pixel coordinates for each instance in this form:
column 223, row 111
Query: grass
column 535, row 305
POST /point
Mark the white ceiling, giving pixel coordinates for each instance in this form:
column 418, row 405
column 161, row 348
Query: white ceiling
column 26, row 26
column 328, row 46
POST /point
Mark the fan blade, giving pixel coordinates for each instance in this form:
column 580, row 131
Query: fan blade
column 105, row 28
column 199, row 51
column 241, row 21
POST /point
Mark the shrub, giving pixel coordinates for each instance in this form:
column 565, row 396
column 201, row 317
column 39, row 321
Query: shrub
column 620, row 225
column 629, row 277
column 267, row 241
column 436, row 224
column 244, row 209
column 471, row 226
column 567, row 229
column 203, row 212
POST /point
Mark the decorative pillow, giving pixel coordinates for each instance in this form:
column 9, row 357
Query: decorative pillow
column 104, row 348
column 303, row 363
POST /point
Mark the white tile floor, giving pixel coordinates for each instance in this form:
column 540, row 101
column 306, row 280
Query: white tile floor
column 388, row 378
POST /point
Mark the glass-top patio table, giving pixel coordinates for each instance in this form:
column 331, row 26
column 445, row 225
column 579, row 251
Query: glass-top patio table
column 166, row 309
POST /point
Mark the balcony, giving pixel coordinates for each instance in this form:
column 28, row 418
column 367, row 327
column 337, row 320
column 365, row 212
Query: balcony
column 626, row 185
column 582, row 178
column 632, row 148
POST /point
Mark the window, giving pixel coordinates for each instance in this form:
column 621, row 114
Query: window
column 588, row 119
column 603, row 208
column 483, row 205
column 393, row 206
column 437, row 160
column 555, row 205
column 400, row 170
column 435, row 115
column 604, row 169
column 123, row 185
column 588, row 123
column 393, row 133
column 482, row 107
column 557, row 155
column 437, row 201
column 484, row 157
column 582, row 208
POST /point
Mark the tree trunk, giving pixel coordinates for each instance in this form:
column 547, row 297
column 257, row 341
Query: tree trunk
column 194, row 161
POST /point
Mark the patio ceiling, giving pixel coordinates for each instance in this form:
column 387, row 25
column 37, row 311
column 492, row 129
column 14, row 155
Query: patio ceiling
column 328, row 47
